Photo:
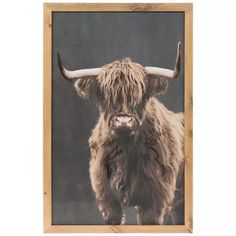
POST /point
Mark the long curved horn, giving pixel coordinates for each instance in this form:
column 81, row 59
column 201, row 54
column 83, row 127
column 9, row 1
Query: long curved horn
column 166, row 72
column 75, row 74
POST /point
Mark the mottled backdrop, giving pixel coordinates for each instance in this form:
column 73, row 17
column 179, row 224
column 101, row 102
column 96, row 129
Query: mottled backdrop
column 87, row 40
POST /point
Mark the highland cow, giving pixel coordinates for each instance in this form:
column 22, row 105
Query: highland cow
column 137, row 144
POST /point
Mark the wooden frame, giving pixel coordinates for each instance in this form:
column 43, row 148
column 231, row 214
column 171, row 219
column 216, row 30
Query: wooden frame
column 48, row 9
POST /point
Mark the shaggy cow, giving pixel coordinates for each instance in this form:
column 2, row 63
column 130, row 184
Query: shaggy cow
column 137, row 144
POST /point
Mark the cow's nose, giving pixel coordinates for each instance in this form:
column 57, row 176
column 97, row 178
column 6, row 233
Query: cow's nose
column 123, row 122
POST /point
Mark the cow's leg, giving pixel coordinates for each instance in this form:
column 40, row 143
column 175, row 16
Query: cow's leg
column 111, row 210
column 108, row 203
column 177, row 214
column 150, row 215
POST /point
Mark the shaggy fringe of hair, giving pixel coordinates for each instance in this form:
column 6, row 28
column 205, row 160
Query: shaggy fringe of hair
column 121, row 78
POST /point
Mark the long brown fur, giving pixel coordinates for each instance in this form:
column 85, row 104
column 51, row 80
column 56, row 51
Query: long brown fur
column 144, row 171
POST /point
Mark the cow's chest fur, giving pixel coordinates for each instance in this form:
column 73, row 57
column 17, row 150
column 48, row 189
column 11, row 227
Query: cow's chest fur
column 131, row 174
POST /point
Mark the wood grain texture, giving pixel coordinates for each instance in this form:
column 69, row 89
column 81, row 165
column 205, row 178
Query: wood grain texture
column 47, row 112
column 117, row 229
column 47, row 185
column 103, row 7
column 188, row 112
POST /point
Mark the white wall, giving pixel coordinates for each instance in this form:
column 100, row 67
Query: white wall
column 21, row 57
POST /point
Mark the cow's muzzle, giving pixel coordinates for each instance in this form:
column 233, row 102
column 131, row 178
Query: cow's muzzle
column 123, row 124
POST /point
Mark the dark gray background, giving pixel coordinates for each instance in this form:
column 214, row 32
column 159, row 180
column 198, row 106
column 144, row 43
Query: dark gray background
column 87, row 40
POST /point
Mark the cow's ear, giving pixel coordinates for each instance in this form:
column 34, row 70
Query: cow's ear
column 86, row 88
column 157, row 85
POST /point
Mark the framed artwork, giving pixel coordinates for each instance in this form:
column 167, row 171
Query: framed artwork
column 117, row 117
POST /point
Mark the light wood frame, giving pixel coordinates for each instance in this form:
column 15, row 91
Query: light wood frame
column 186, row 8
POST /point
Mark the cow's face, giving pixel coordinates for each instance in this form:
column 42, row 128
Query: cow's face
column 122, row 89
